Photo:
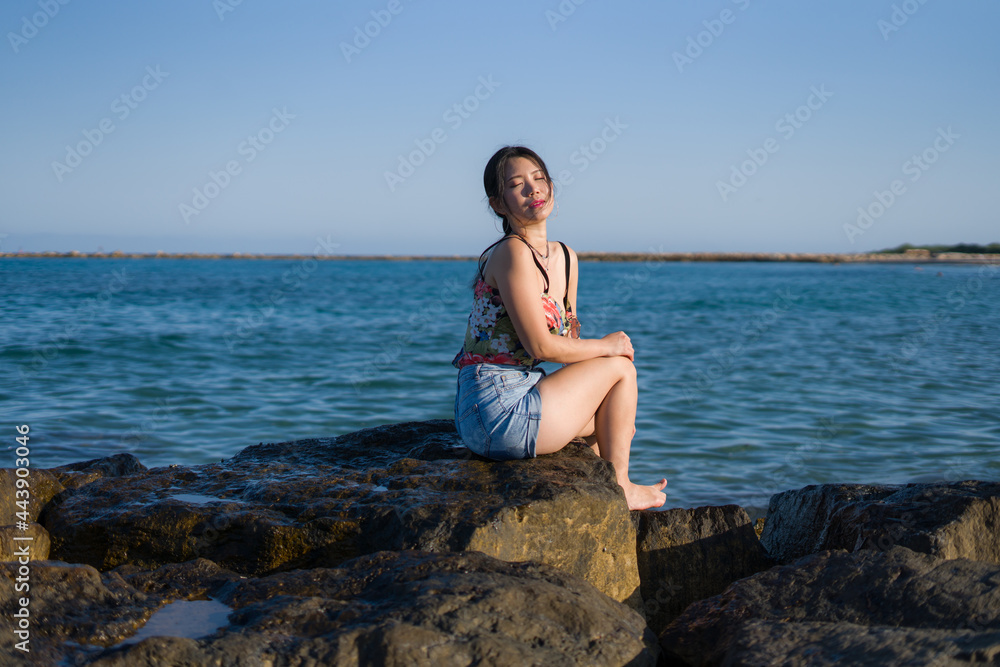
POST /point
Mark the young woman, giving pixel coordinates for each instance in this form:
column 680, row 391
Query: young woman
column 522, row 313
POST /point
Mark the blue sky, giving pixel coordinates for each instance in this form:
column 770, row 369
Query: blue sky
column 685, row 126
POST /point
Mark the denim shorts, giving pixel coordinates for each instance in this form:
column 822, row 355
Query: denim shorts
column 498, row 410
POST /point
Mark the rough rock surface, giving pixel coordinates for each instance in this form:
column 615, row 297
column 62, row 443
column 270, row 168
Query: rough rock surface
column 317, row 503
column 12, row 549
column 690, row 554
column 835, row 644
column 896, row 602
column 401, row 608
column 949, row 520
column 68, row 603
column 42, row 486
column 365, row 549
column 75, row 475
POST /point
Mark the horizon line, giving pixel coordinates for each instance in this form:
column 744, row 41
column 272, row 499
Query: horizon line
column 914, row 255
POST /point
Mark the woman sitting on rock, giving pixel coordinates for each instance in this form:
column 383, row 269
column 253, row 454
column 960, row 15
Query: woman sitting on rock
column 506, row 407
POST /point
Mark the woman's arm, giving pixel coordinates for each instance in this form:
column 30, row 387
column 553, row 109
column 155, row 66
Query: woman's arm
column 516, row 276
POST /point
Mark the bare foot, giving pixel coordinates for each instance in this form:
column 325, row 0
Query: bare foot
column 644, row 497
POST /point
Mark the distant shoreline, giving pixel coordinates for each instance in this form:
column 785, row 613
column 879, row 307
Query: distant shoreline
column 825, row 258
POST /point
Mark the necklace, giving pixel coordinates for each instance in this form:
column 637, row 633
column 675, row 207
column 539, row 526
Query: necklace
column 544, row 257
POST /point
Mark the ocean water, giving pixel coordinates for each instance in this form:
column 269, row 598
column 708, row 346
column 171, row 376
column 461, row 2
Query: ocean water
column 753, row 377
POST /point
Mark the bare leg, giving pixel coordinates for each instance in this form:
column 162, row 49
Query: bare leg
column 598, row 394
column 589, row 433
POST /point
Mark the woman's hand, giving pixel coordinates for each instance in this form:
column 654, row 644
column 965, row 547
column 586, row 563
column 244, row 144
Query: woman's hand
column 619, row 345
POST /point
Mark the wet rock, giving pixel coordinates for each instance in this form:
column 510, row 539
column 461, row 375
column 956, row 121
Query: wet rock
column 32, row 543
column 317, row 503
column 158, row 530
column 402, row 608
column 193, row 580
column 844, row 602
column 686, row 555
column 416, row 608
column 949, row 520
column 36, row 490
column 76, row 611
column 23, row 498
column 67, row 603
column 75, row 475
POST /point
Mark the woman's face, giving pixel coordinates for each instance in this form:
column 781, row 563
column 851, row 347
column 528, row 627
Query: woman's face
column 527, row 194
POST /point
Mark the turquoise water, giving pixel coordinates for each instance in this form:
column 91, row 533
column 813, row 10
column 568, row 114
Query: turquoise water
column 754, row 378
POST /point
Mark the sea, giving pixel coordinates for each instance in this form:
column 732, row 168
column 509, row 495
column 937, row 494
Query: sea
column 754, row 377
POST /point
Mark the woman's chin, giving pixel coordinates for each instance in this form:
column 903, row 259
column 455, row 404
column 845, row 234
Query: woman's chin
column 538, row 215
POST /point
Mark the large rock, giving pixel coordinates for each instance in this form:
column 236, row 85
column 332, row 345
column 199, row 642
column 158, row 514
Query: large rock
column 36, row 490
column 841, row 604
column 686, row 555
column 21, row 543
column 66, row 603
column 22, row 499
column 402, row 608
column 317, row 503
column 75, row 475
column 836, row 644
column 949, row 520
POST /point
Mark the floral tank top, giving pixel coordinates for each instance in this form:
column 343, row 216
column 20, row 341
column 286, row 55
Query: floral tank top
column 490, row 337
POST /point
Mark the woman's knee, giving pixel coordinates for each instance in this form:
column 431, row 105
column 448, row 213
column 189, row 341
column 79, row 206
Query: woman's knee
column 624, row 367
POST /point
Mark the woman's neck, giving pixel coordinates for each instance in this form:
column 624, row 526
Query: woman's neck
column 535, row 234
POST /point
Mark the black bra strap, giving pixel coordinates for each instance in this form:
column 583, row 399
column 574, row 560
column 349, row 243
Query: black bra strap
column 566, row 306
column 480, row 266
column 533, row 256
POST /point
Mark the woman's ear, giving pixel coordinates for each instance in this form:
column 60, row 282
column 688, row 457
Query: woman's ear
column 498, row 206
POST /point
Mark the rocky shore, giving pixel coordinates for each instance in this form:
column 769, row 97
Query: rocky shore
column 396, row 546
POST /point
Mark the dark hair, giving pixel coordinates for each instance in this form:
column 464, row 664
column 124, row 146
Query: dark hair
column 493, row 183
column 493, row 176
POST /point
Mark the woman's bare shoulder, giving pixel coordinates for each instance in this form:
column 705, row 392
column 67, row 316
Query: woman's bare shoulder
column 506, row 255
